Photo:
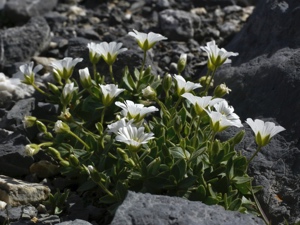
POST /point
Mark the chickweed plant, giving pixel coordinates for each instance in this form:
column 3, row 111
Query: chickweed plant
column 147, row 133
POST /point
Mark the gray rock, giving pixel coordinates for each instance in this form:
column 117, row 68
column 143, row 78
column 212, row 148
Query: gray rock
column 19, row 11
column 149, row 209
column 2, row 4
column 12, row 160
column 19, row 44
column 275, row 168
column 267, row 87
column 17, row 192
column 178, row 25
column 75, row 222
column 278, row 30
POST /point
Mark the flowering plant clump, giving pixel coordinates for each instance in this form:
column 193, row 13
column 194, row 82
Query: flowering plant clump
column 146, row 133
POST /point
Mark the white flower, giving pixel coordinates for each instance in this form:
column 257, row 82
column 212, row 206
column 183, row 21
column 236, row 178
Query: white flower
column 64, row 67
column 146, row 41
column 228, row 111
column 133, row 137
column 135, row 111
column 85, row 77
column 201, row 103
column 61, row 127
column 185, row 86
column 29, row 72
column 93, row 54
column 109, row 51
column 114, row 127
column 264, row 131
column 216, row 56
column 109, row 92
column 221, row 90
column 219, row 122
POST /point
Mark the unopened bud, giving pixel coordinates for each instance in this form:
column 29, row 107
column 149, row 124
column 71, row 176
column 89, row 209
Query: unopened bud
column 31, row 149
column 29, row 121
column 85, row 77
column 167, row 82
column 221, row 90
column 61, row 127
column 204, row 81
column 41, row 127
column 181, row 64
column 54, row 89
column 149, row 93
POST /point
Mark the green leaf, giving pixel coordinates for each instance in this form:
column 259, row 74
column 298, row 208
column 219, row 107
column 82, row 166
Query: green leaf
column 211, row 200
column 127, row 79
column 235, row 205
column 177, row 152
column 187, row 182
column 152, row 167
column 108, row 199
column 193, row 158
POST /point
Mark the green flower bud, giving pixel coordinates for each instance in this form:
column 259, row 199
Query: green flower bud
column 204, row 81
column 41, row 127
column 181, row 64
column 149, row 93
column 53, row 88
column 54, row 153
column 221, row 90
column 29, row 121
column 73, row 160
column 167, row 82
column 31, row 149
column 61, row 127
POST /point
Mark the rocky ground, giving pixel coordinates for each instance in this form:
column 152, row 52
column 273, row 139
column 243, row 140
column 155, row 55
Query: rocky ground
column 263, row 82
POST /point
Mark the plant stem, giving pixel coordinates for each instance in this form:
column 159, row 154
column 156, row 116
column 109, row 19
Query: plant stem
column 196, row 131
column 39, row 90
column 79, row 139
column 255, row 153
column 95, row 73
column 259, row 208
column 111, row 74
column 178, row 101
column 102, row 115
column 210, row 80
column 143, row 64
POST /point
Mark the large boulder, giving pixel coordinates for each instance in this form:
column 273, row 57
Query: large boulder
column 264, row 77
column 144, row 209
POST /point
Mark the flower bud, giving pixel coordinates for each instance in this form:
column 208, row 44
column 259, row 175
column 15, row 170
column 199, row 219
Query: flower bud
column 74, row 160
column 221, row 90
column 204, row 81
column 85, row 77
column 167, row 82
column 31, row 149
column 149, row 93
column 54, row 153
column 53, row 88
column 29, row 121
column 41, row 127
column 61, row 127
column 181, row 63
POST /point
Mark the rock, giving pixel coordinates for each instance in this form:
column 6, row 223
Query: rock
column 75, row 222
column 143, row 209
column 278, row 30
column 17, row 192
column 267, row 87
column 2, row 4
column 178, row 25
column 12, row 160
column 19, row 44
column 275, row 168
column 18, row 11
